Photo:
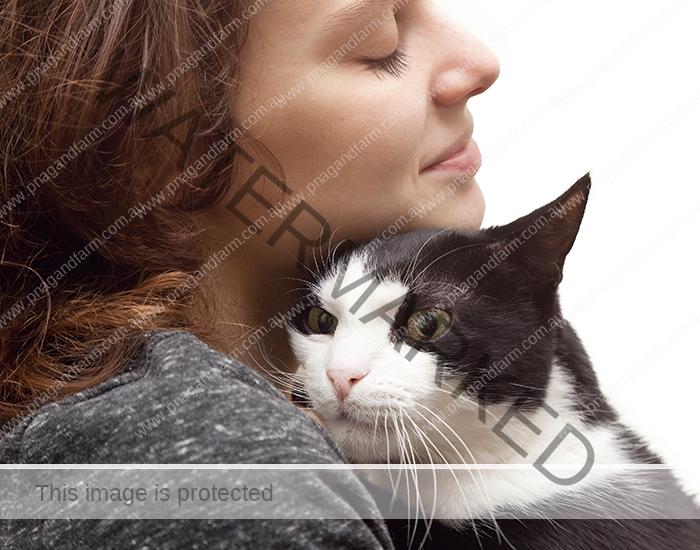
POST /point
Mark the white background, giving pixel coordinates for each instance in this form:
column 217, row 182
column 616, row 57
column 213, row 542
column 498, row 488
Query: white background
column 551, row 48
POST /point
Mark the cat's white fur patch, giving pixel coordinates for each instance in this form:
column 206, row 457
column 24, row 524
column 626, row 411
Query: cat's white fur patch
column 398, row 414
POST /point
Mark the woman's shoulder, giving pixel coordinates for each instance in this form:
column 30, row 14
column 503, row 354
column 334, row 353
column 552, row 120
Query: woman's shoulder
column 178, row 401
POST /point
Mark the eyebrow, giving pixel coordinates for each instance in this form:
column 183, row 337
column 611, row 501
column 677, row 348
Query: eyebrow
column 350, row 12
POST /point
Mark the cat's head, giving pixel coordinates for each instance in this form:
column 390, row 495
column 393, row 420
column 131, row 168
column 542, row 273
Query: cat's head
column 432, row 322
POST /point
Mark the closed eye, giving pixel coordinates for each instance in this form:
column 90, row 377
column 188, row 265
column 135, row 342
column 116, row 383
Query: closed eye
column 395, row 64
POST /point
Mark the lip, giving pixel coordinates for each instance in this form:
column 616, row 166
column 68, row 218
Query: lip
column 459, row 158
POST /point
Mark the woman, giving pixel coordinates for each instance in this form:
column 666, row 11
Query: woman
column 169, row 172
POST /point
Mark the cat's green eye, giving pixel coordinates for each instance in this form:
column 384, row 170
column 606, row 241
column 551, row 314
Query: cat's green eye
column 320, row 321
column 428, row 325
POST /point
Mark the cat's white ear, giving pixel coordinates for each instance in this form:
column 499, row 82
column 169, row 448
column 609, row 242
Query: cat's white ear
column 542, row 239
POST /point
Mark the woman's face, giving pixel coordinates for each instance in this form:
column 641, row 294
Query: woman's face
column 368, row 138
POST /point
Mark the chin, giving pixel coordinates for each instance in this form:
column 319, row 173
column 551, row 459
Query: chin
column 461, row 208
column 475, row 204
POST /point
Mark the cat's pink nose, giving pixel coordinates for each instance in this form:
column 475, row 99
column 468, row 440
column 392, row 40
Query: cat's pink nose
column 343, row 380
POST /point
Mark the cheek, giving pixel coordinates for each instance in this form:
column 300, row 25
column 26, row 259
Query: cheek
column 312, row 356
column 349, row 152
column 395, row 382
column 464, row 210
column 327, row 119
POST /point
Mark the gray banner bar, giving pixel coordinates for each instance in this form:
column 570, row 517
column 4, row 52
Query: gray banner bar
column 276, row 492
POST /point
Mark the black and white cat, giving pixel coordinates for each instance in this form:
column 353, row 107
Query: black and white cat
column 448, row 347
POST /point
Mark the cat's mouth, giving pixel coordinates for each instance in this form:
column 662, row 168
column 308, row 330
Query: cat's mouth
column 347, row 414
column 379, row 419
column 365, row 427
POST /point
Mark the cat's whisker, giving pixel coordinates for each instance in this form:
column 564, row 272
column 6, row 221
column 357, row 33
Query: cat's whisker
column 449, row 252
column 376, row 425
column 280, row 382
column 414, row 473
column 306, row 268
column 429, row 519
column 333, row 250
column 330, row 240
column 454, row 476
column 470, row 401
column 407, row 461
column 290, row 291
column 440, row 453
column 416, row 258
column 388, row 453
column 439, row 284
column 466, row 447
column 320, row 249
column 313, row 255
column 319, row 262
column 282, row 378
column 303, row 282
column 526, row 386
column 404, row 457
column 480, row 487
column 271, row 369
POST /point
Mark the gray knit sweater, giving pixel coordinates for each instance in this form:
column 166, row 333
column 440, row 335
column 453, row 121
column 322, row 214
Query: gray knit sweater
column 232, row 416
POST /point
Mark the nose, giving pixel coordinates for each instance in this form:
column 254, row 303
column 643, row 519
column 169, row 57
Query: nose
column 344, row 379
column 466, row 66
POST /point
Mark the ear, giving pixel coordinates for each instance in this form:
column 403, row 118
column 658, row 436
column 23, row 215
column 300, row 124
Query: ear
column 540, row 241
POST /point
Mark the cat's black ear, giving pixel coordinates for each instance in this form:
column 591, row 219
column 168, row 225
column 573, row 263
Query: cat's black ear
column 541, row 240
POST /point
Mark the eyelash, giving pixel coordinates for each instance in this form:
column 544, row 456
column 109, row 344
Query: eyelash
column 395, row 64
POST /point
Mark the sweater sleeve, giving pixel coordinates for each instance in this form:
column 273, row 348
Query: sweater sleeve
column 181, row 402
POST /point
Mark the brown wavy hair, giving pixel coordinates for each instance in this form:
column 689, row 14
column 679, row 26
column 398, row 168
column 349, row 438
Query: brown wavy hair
column 87, row 139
